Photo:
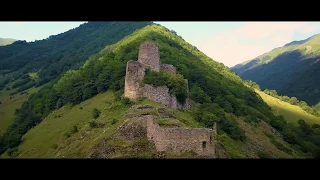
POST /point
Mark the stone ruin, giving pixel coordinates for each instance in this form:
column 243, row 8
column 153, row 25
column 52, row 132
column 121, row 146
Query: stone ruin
column 149, row 57
column 177, row 140
column 171, row 140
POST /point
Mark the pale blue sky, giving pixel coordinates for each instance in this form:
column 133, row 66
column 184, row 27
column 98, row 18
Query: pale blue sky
column 227, row 42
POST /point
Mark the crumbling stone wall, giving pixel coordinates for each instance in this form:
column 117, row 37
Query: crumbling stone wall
column 149, row 57
column 158, row 94
column 168, row 68
column 177, row 140
column 134, row 76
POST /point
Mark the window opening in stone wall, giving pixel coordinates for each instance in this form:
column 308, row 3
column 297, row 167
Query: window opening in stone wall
column 210, row 139
column 204, row 144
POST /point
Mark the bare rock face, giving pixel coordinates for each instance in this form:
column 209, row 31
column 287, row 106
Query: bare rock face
column 149, row 57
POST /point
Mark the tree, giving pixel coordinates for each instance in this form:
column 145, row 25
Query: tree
column 285, row 98
column 317, row 106
column 293, row 100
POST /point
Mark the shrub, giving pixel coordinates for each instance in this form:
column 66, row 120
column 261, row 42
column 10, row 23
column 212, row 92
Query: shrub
column 13, row 152
column 93, row 124
column 74, row 129
column 54, row 146
column 114, row 121
column 315, row 126
column 126, row 101
column 95, row 113
column 264, row 155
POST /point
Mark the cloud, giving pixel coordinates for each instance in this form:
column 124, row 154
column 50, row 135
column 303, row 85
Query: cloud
column 252, row 39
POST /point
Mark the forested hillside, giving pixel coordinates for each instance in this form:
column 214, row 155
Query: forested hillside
column 292, row 70
column 217, row 94
column 29, row 64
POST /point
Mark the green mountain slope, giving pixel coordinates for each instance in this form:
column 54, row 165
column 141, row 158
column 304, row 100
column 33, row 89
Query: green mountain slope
column 50, row 57
column 291, row 70
column 217, row 94
column 6, row 41
column 56, row 136
column 291, row 113
column 24, row 65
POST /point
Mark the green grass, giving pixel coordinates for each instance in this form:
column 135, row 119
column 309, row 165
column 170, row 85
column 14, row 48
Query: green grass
column 49, row 140
column 33, row 75
column 186, row 117
column 57, row 137
column 169, row 122
column 258, row 140
column 235, row 149
column 290, row 112
column 9, row 106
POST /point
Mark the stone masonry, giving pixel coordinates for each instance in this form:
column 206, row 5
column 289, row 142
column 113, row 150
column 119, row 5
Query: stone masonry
column 177, row 140
column 149, row 57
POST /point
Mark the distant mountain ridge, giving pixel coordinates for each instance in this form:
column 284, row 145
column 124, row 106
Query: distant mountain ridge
column 50, row 57
column 6, row 41
column 292, row 70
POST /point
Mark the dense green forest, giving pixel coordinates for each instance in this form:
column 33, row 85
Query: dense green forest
column 292, row 70
column 50, row 57
column 219, row 93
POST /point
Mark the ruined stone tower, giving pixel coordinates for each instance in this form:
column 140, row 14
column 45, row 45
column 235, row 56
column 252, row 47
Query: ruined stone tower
column 149, row 57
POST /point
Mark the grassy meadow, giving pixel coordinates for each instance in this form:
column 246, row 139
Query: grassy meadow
column 290, row 112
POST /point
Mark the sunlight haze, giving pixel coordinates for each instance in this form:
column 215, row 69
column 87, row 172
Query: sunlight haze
column 227, row 42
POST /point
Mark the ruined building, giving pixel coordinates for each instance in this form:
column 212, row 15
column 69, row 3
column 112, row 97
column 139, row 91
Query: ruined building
column 171, row 140
column 149, row 57
column 177, row 140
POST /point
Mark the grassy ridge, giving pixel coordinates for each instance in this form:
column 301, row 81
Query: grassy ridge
column 52, row 138
column 291, row 70
column 290, row 112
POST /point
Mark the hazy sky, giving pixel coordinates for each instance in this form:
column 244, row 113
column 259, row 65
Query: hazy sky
column 227, row 42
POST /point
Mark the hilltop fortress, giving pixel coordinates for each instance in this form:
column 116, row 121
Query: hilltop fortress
column 149, row 57
column 170, row 140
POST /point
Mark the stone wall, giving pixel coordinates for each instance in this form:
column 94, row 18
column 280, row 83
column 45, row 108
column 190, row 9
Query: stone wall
column 168, row 68
column 149, row 56
column 158, row 94
column 134, row 76
column 177, row 140
column 162, row 95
